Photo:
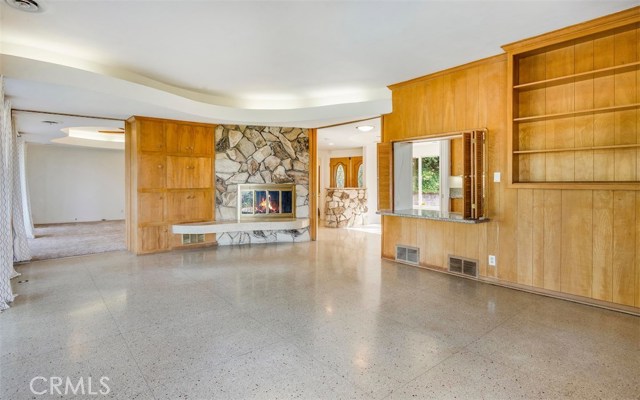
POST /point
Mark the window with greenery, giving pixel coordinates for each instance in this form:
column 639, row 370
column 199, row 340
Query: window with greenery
column 426, row 178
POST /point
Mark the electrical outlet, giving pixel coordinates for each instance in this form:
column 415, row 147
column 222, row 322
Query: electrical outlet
column 492, row 260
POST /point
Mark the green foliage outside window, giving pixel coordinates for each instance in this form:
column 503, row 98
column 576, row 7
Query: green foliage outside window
column 430, row 175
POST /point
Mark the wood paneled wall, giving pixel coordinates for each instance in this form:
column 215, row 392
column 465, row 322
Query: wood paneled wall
column 576, row 242
column 169, row 178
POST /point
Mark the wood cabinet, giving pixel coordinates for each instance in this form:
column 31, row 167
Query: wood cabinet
column 188, row 140
column 151, row 136
column 152, row 171
column 575, row 101
column 189, row 206
column 152, row 239
column 169, row 181
column 189, row 172
column 150, row 207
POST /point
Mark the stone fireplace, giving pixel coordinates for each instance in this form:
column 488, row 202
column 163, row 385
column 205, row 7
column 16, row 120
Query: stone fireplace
column 260, row 156
column 260, row 201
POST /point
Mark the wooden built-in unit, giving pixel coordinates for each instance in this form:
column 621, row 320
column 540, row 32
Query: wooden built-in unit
column 562, row 120
column 169, row 179
column 574, row 98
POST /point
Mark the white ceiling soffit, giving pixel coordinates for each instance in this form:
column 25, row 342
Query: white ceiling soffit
column 347, row 136
column 148, row 97
column 73, row 141
column 295, row 63
column 47, row 128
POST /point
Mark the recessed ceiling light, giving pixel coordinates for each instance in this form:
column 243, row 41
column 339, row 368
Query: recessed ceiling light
column 364, row 128
column 331, row 144
column 24, row 5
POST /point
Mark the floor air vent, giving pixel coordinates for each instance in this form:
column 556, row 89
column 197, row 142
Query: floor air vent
column 407, row 254
column 192, row 238
column 464, row 266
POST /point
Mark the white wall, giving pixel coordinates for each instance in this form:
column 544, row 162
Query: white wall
column 69, row 184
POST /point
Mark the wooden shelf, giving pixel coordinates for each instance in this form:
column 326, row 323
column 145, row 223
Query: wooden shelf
column 571, row 149
column 576, row 113
column 576, row 77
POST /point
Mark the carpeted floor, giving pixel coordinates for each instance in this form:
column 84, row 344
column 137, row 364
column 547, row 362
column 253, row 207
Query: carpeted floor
column 76, row 239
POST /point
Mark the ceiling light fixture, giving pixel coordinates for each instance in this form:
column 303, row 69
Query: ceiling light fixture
column 24, row 5
column 331, row 144
column 364, row 128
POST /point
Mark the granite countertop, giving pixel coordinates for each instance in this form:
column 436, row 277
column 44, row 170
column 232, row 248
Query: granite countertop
column 430, row 214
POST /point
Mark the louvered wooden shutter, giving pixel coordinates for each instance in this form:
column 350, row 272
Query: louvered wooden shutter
column 467, row 198
column 385, row 173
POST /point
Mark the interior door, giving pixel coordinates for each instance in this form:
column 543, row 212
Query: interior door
column 339, row 172
column 356, row 168
column 344, row 172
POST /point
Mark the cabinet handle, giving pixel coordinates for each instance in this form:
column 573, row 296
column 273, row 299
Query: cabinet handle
column 160, row 198
column 190, row 167
column 160, row 166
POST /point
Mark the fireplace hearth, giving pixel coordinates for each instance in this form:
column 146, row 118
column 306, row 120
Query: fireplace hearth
column 260, row 201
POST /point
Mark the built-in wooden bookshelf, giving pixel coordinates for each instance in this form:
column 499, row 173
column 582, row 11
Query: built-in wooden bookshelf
column 575, row 106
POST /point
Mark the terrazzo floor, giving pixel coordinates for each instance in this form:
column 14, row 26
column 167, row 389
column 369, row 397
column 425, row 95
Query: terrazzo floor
column 319, row 320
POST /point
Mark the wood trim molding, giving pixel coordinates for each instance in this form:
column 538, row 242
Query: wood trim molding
column 313, row 183
column 607, row 22
column 531, row 289
column 484, row 61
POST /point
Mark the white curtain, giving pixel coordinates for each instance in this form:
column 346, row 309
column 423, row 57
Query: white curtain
column 26, row 201
column 21, row 250
column 6, row 198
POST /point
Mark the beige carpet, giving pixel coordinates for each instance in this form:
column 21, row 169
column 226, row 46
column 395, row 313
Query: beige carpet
column 75, row 239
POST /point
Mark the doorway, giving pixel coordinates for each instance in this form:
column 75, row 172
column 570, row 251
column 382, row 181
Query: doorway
column 347, row 165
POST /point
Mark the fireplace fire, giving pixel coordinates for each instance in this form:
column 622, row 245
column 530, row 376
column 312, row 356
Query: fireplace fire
column 266, row 200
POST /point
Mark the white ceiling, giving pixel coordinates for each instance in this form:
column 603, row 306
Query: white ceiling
column 292, row 63
column 347, row 136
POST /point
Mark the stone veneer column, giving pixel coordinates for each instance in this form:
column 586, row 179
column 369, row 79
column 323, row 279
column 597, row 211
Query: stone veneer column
column 346, row 207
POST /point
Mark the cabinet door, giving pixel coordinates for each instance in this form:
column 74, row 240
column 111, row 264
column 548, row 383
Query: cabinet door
column 179, row 139
column 200, row 206
column 151, row 171
column 202, row 141
column 150, row 207
column 189, row 172
column 152, row 238
column 190, row 206
column 151, row 136
column 202, row 173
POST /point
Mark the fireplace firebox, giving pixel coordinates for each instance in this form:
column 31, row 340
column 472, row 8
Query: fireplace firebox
column 259, row 201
